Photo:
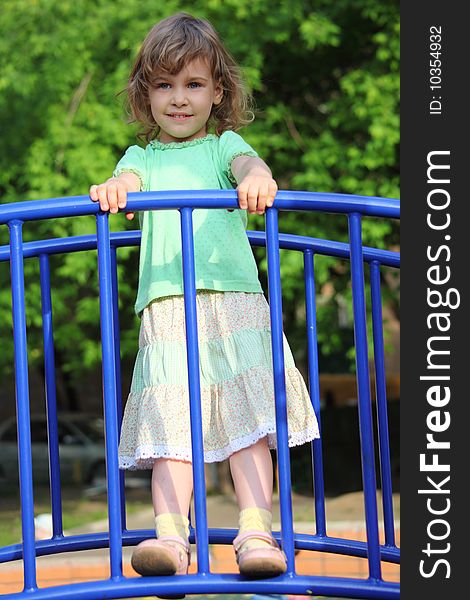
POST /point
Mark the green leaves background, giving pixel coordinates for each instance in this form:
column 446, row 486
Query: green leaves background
column 325, row 76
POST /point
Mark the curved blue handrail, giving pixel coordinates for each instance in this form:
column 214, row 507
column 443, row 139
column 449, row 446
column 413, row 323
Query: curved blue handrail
column 285, row 200
column 121, row 239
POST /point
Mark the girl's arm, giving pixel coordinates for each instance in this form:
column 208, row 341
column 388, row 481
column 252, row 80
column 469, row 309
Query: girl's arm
column 256, row 186
column 112, row 194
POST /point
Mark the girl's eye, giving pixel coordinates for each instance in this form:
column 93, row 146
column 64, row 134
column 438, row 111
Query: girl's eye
column 194, row 84
column 162, row 86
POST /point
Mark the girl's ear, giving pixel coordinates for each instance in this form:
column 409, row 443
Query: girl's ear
column 218, row 93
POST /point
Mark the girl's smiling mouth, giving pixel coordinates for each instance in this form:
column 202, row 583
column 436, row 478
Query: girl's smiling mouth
column 180, row 116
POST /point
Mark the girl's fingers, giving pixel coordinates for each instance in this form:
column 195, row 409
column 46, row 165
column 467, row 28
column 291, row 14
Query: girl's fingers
column 93, row 193
column 272, row 191
column 122, row 197
column 243, row 196
column 252, row 199
column 130, row 216
column 112, row 198
column 262, row 198
column 256, row 194
column 103, row 197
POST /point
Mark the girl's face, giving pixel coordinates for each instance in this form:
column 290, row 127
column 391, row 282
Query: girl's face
column 181, row 104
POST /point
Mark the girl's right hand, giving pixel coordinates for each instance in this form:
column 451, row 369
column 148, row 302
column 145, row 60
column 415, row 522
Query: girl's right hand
column 112, row 194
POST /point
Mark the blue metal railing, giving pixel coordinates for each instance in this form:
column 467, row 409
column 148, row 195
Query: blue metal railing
column 204, row 582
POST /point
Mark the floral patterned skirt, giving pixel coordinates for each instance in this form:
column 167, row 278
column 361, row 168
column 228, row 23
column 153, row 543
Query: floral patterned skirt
column 237, row 390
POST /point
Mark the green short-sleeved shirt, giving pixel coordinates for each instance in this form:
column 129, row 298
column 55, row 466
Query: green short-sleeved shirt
column 223, row 257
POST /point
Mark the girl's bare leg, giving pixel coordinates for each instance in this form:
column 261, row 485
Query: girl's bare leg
column 172, row 486
column 252, row 472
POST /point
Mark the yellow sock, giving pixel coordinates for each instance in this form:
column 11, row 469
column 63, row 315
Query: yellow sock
column 255, row 519
column 172, row 524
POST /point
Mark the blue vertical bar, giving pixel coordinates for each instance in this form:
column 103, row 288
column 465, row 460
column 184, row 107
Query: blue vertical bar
column 22, row 404
column 314, row 385
column 189, row 281
column 381, row 396
column 51, row 399
column 117, row 371
column 363, row 385
column 275, row 303
column 109, row 395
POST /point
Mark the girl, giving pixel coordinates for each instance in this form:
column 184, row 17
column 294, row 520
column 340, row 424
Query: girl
column 183, row 85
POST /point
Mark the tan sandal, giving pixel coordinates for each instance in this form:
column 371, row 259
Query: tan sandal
column 167, row 555
column 258, row 563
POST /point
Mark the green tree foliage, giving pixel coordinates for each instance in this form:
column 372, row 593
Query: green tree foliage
column 325, row 79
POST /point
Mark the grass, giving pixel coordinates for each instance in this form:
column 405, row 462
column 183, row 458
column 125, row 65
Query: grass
column 77, row 509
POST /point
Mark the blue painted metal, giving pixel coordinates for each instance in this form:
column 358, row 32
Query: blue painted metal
column 314, row 389
column 109, row 395
column 364, row 401
column 381, row 400
column 51, row 400
column 205, row 582
column 81, row 243
column 219, row 584
column 275, row 307
column 22, row 404
column 285, row 200
column 73, row 543
column 190, row 311
column 326, row 247
column 117, row 372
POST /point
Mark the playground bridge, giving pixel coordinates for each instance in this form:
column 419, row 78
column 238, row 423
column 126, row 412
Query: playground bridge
column 354, row 208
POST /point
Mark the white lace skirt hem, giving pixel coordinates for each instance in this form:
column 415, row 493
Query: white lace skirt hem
column 145, row 456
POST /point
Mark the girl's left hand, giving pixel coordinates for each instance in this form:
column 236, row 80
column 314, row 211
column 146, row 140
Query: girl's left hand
column 256, row 193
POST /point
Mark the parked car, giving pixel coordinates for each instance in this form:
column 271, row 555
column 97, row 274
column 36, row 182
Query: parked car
column 81, row 449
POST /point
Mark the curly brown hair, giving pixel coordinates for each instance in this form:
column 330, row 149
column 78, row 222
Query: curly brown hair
column 172, row 44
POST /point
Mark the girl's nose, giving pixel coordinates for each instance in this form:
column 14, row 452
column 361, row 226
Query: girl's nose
column 179, row 97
